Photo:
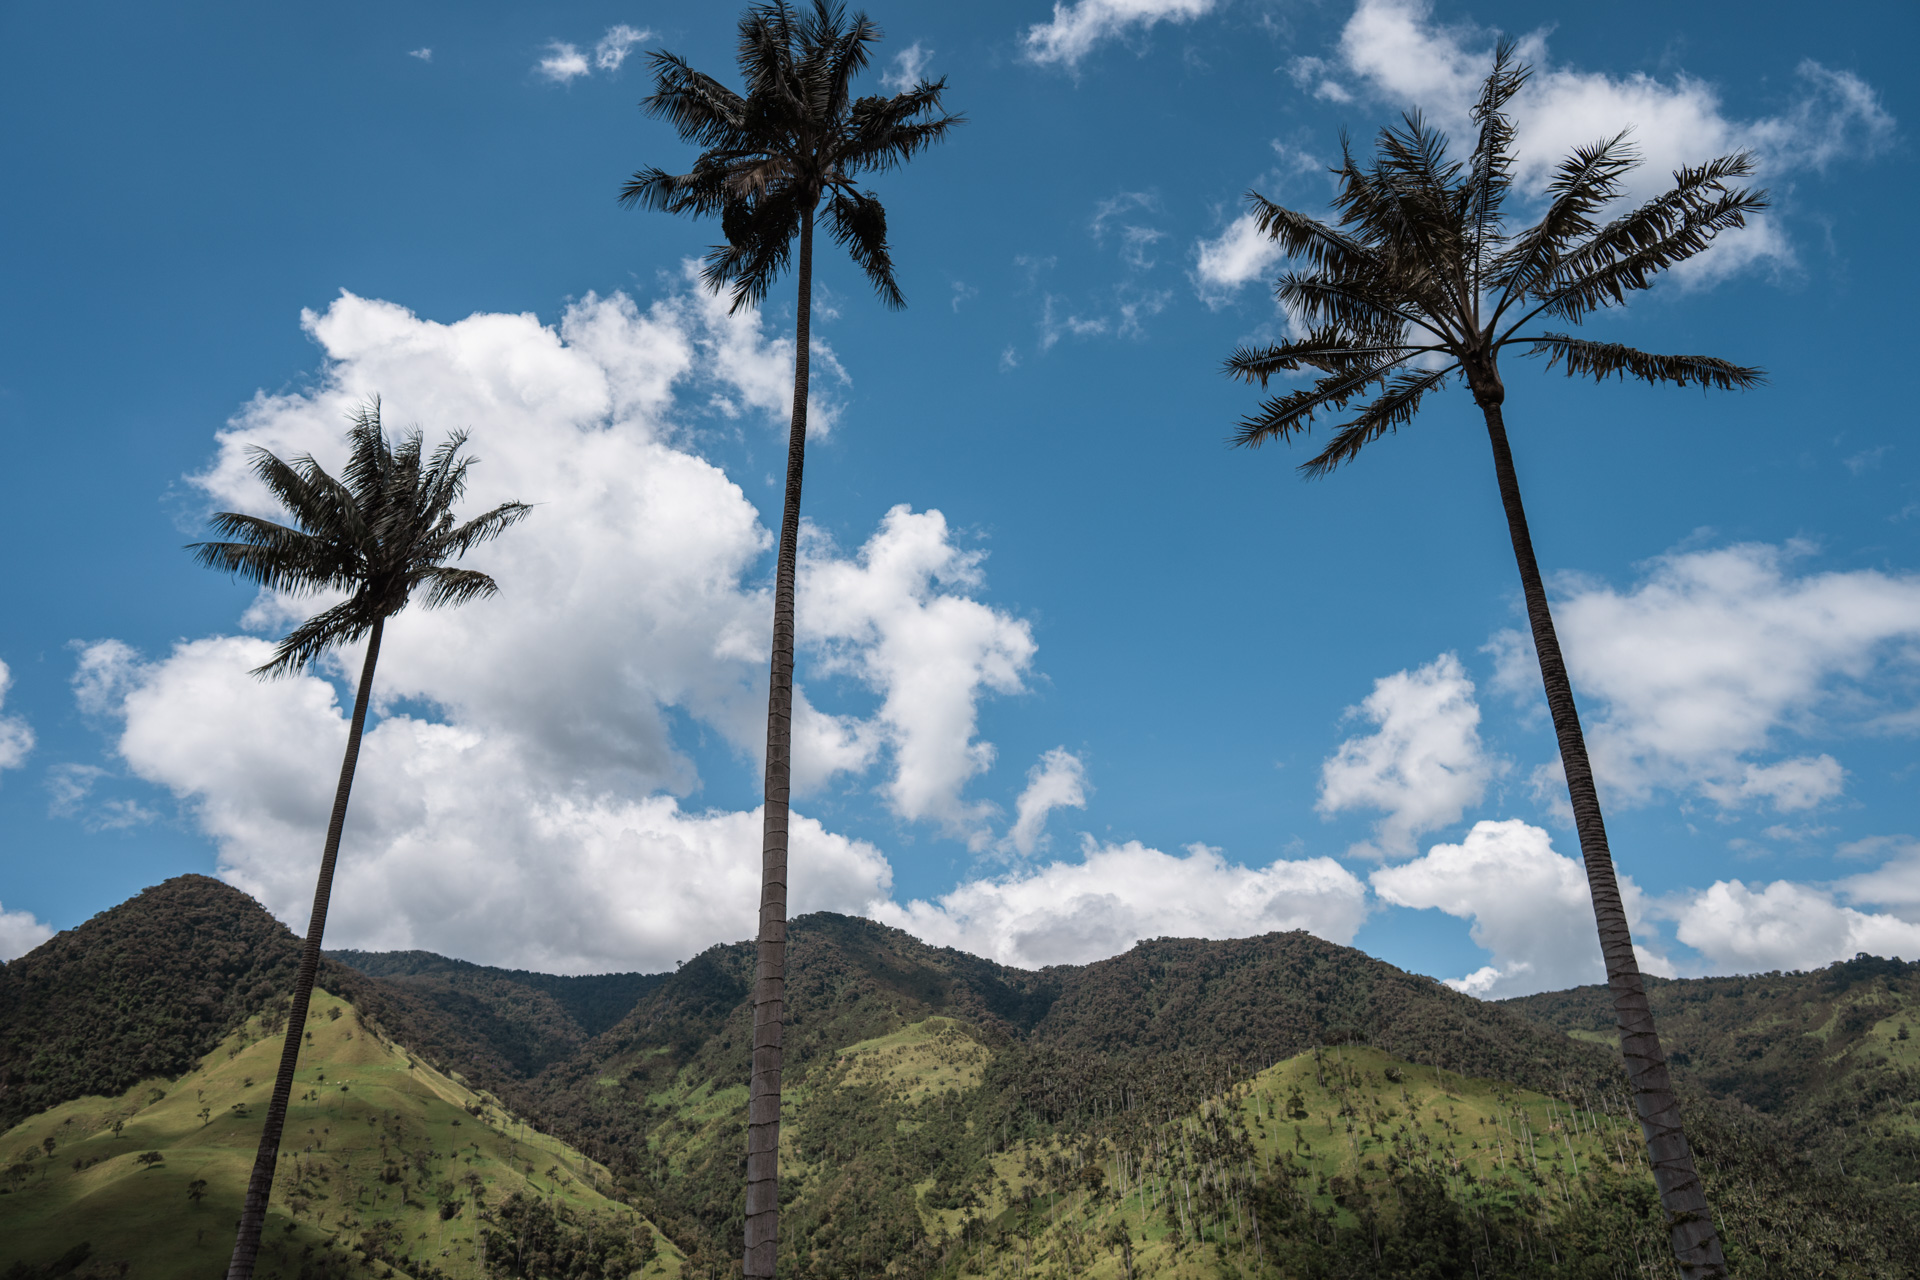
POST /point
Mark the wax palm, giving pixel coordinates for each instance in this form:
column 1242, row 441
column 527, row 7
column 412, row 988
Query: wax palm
column 381, row 533
column 1419, row 282
column 787, row 150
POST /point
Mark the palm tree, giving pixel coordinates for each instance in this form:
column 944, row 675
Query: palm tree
column 786, row 151
column 1420, row 281
column 379, row 533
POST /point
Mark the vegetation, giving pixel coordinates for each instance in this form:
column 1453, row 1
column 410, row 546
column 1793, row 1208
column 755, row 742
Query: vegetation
column 390, row 1164
column 1420, row 282
column 1267, row 1106
column 787, row 150
column 532, row 1020
column 379, row 534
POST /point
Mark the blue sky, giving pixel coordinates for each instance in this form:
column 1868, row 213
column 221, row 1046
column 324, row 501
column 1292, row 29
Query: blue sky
column 1082, row 673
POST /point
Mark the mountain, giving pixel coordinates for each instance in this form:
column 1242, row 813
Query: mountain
column 1831, row 1053
column 1261, row 1106
column 532, row 1020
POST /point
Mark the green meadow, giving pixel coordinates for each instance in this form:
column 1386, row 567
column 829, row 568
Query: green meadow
column 389, row 1166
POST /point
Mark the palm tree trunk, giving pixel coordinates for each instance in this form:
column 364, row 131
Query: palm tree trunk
column 770, row 977
column 253, row 1212
column 1696, row 1245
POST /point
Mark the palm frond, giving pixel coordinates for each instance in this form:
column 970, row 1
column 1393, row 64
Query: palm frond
column 446, row 586
column 1393, row 409
column 1602, row 360
column 307, row 643
column 1284, row 416
column 858, row 224
column 1330, row 350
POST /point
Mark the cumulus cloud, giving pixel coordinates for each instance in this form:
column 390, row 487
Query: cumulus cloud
column 1076, row 28
column 1058, row 781
column 509, row 806
column 1235, row 258
column 425, row 55
column 1529, row 906
column 1118, row 894
column 891, row 616
column 1895, row 884
column 20, row 932
column 1424, row 764
column 1742, row 928
column 1700, row 668
column 907, row 68
column 16, row 735
column 564, row 62
column 1396, row 49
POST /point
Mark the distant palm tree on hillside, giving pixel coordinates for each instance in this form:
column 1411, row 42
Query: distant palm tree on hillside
column 1420, row 281
column 785, row 152
column 382, row 531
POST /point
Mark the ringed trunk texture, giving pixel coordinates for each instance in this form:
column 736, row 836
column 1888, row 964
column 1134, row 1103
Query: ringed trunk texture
column 770, row 974
column 253, row 1211
column 1696, row 1244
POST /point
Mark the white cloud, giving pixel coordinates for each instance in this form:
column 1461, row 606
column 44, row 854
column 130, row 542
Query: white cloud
column 453, row 843
column 1076, row 28
column 1398, row 51
column 613, row 48
column 71, row 786
column 1698, row 669
column 16, row 735
column 1059, row 781
column 508, row 806
column 1783, row 925
column 1529, row 905
column 1895, row 884
column 563, row 62
column 930, row 653
column 908, row 68
column 20, row 932
column 1116, row 895
column 425, row 55
column 1424, row 766
column 1236, row 257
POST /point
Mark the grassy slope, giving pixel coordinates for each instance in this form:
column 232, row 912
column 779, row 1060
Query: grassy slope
column 364, row 1109
column 1488, row 1139
column 1819, row 1050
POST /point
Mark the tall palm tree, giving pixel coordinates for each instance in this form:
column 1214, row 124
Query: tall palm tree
column 1420, row 281
column 774, row 158
column 382, row 531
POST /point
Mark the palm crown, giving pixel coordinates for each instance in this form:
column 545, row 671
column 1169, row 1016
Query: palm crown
column 1421, row 280
column 795, row 138
column 380, row 532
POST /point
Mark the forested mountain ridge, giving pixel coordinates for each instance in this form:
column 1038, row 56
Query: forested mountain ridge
column 945, row 1114
column 145, row 989
column 535, row 1019
column 1832, row 1053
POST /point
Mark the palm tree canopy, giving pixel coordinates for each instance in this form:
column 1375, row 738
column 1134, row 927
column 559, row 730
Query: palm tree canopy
column 380, row 532
column 1420, row 280
column 795, row 138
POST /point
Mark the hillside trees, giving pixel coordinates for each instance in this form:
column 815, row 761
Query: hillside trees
column 775, row 158
column 378, row 534
column 1420, row 281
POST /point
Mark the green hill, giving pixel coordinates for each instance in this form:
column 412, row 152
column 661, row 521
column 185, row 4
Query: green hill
column 1832, row 1053
column 532, row 1020
column 389, row 1164
column 1273, row 1106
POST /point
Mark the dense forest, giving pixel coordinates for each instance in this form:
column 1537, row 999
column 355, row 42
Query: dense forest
column 1264, row 1106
